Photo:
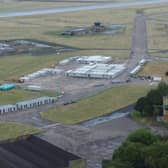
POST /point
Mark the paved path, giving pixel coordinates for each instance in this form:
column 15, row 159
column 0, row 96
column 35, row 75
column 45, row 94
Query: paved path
column 81, row 8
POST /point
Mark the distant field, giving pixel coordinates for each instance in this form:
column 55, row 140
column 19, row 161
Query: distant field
column 158, row 68
column 103, row 103
column 157, row 36
column 15, row 95
column 14, row 5
column 15, row 130
column 39, row 26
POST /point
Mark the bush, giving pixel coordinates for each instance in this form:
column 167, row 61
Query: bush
column 142, row 136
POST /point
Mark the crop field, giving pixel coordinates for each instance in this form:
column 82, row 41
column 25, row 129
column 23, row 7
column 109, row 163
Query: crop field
column 15, row 130
column 103, row 103
column 15, row 95
column 158, row 68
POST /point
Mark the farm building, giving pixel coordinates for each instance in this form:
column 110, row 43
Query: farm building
column 7, row 86
column 97, row 71
column 28, row 104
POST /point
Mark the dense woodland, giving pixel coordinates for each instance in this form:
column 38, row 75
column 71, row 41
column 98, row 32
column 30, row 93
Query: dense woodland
column 142, row 149
column 152, row 103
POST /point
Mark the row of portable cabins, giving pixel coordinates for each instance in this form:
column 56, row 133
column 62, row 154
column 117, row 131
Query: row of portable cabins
column 40, row 73
column 138, row 67
column 103, row 71
column 28, row 104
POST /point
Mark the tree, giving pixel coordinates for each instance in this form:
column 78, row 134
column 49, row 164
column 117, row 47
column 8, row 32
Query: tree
column 156, row 156
column 130, row 153
column 151, row 104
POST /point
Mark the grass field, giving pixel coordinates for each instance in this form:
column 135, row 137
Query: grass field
column 15, row 66
column 15, row 95
column 157, row 35
column 15, row 130
column 98, row 105
column 158, row 68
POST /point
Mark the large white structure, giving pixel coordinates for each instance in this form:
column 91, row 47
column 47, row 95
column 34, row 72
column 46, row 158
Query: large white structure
column 94, row 59
column 87, row 59
column 28, row 104
column 97, row 71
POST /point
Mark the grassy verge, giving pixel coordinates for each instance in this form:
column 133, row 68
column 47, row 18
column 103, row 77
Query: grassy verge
column 15, row 130
column 98, row 105
column 15, row 95
column 77, row 164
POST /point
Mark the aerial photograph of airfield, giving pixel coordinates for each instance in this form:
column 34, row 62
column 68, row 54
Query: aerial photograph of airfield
column 79, row 78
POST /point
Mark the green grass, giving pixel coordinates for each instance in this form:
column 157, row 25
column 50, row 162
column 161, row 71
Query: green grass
column 23, row 65
column 15, row 95
column 15, row 130
column 97, row 105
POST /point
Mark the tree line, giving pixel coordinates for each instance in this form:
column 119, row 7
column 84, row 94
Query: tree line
column 152, row 103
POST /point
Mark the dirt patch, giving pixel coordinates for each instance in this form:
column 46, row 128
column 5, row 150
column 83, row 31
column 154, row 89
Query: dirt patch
column 31, row 47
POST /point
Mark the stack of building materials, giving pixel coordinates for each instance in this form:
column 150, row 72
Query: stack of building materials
column 97, row 71
column 40, row 73
column 28, row 104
